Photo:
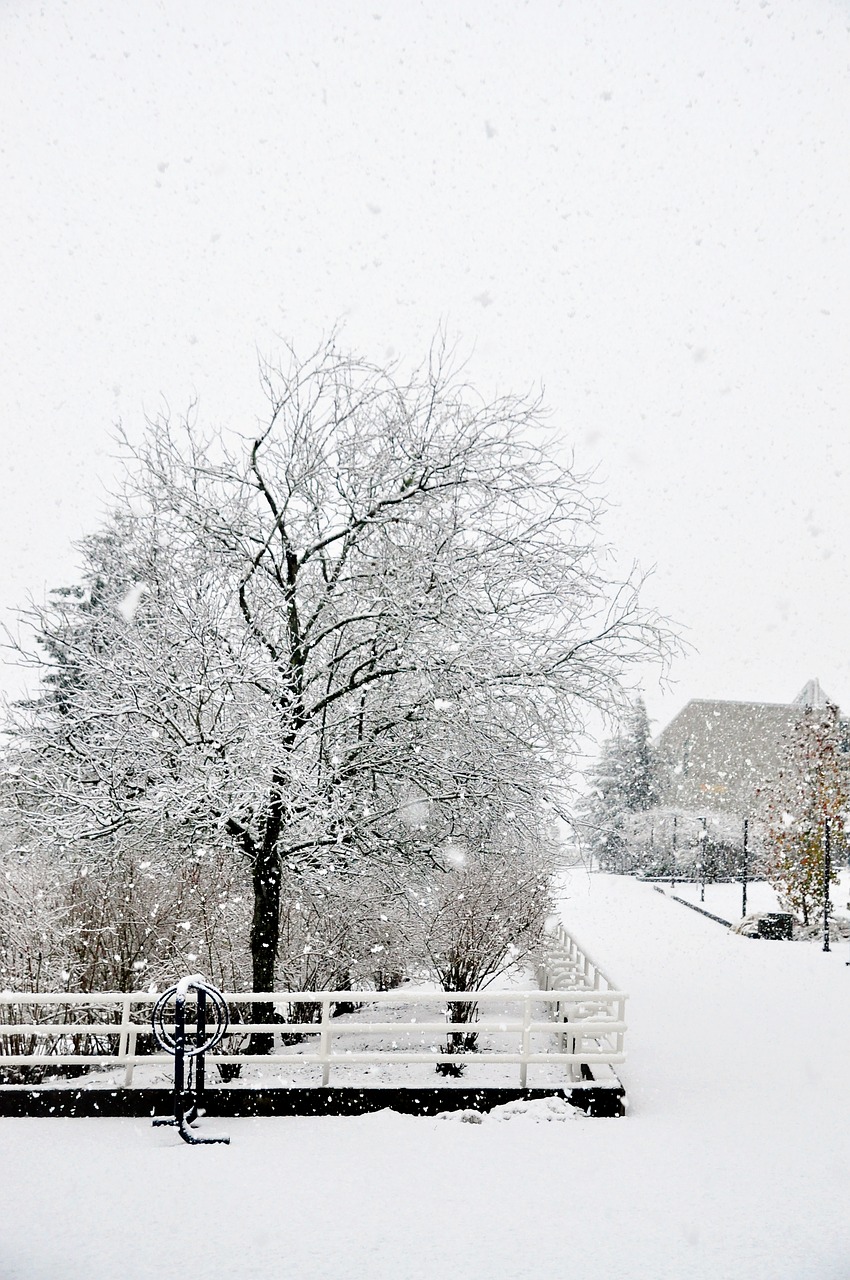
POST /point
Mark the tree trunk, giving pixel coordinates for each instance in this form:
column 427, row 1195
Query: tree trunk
column 459, row 1041
column 265, row 936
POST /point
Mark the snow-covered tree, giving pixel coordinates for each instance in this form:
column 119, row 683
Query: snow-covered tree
column 337, row 638
column 811, row 791
column 638, row 772
column 603, row 808
column 623, row 783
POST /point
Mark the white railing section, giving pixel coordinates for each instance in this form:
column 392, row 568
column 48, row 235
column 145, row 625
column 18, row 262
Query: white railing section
column 564, row 964
column 518, row 1028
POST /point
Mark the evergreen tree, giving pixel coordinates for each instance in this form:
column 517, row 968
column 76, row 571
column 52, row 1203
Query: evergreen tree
column 600, row 819
column 83, row 615
column 623, row 782
column 638, row 779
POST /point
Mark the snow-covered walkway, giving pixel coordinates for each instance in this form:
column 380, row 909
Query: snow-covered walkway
column 733, row 1163
column 717, row 1023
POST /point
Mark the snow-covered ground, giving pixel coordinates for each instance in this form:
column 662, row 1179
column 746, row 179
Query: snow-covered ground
column 726, row 900
column 733, row 1162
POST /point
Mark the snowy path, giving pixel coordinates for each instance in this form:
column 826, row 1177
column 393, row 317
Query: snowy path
column 729, row 1021
column 733, row 1164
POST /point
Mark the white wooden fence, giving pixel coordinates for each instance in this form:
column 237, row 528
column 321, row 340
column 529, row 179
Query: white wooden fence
column 577, row 1020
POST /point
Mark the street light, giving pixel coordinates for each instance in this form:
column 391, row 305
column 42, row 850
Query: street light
column 703, row 838
column 744, row 870
column 827, row 871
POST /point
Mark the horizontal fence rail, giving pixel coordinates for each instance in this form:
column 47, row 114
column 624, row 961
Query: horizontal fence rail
column 578, row 1026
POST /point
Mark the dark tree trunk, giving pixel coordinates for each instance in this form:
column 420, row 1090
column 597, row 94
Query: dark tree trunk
column 265, row 936
column 459, row 1041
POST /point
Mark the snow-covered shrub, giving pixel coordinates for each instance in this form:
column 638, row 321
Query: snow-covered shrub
column 119, row 922
column 338, row 932
column 34, row 923
column 481, row 916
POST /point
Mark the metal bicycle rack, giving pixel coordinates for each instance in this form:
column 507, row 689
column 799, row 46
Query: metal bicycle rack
column 188, row 1092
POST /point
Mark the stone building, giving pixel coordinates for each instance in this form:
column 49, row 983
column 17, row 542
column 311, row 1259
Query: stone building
column 714, row 756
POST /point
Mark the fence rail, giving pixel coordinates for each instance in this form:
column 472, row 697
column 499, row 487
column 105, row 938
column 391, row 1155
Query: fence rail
column 582, row 1026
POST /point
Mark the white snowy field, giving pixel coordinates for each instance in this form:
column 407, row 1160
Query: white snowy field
column 733, row 1162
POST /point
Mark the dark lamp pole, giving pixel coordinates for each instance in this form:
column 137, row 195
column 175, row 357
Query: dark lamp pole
column 827, row 871
column 744, row 870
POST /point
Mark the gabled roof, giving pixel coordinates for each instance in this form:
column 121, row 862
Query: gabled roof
column 812, row 695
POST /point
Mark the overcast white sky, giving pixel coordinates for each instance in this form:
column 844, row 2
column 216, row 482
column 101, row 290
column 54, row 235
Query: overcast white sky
column 641, row 206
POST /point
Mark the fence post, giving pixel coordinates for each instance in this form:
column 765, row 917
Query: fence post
column 324, row 1041
column 526, row 1040
column 128, row 1074
column 123, row 1040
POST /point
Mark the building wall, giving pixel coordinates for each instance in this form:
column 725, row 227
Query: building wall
column 715, row 755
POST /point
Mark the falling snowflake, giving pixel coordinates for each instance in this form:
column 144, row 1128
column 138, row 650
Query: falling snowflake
column 127, row 607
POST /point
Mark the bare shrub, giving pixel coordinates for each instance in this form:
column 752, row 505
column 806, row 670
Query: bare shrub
column 482, row 917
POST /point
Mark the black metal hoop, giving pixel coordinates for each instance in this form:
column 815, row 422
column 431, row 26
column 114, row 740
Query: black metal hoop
column 218, row 1007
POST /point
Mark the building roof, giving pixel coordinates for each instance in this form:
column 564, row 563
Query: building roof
column 812, row 695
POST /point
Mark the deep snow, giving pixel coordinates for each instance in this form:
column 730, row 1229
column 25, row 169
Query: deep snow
column 733, row 1162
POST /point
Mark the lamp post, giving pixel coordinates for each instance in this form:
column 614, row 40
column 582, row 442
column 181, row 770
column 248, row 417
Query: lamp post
column 673, row 861
column 703, row 842
column 827, row 871
column 744, row 870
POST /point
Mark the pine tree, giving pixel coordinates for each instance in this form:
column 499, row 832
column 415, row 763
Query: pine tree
column 623, row 782
column 638, row 780
column 83, row 614
column 600, row 820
